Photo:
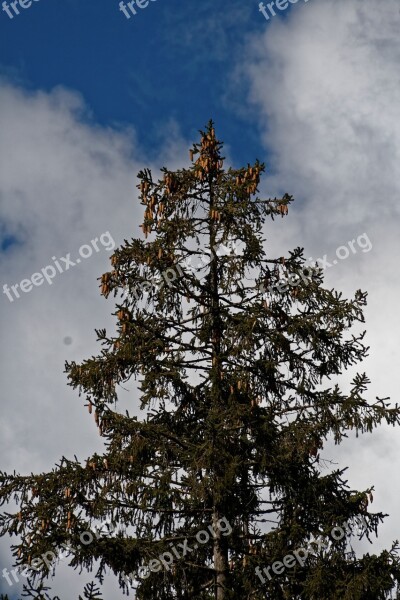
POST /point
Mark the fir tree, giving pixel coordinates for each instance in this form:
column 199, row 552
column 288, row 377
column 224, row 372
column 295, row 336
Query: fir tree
column 222, row 477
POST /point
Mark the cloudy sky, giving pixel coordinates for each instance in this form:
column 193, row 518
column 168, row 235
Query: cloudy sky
column 88, row 97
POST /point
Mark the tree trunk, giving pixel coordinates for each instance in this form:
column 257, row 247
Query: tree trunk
column 220, row 549
column 220, row 559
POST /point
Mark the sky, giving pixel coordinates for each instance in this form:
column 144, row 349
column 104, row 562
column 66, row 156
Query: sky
column 89, row 97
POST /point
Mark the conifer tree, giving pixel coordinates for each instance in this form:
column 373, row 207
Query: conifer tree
column 232, row 353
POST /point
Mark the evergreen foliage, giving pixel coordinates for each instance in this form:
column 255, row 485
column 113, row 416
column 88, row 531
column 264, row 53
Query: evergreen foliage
column 234, row 381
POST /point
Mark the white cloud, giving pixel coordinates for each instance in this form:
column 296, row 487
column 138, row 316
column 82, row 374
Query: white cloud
column 324, row 83
column 63, row 182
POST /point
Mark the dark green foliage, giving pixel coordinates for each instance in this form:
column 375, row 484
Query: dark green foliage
column 91, row 592
column 234, row 379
